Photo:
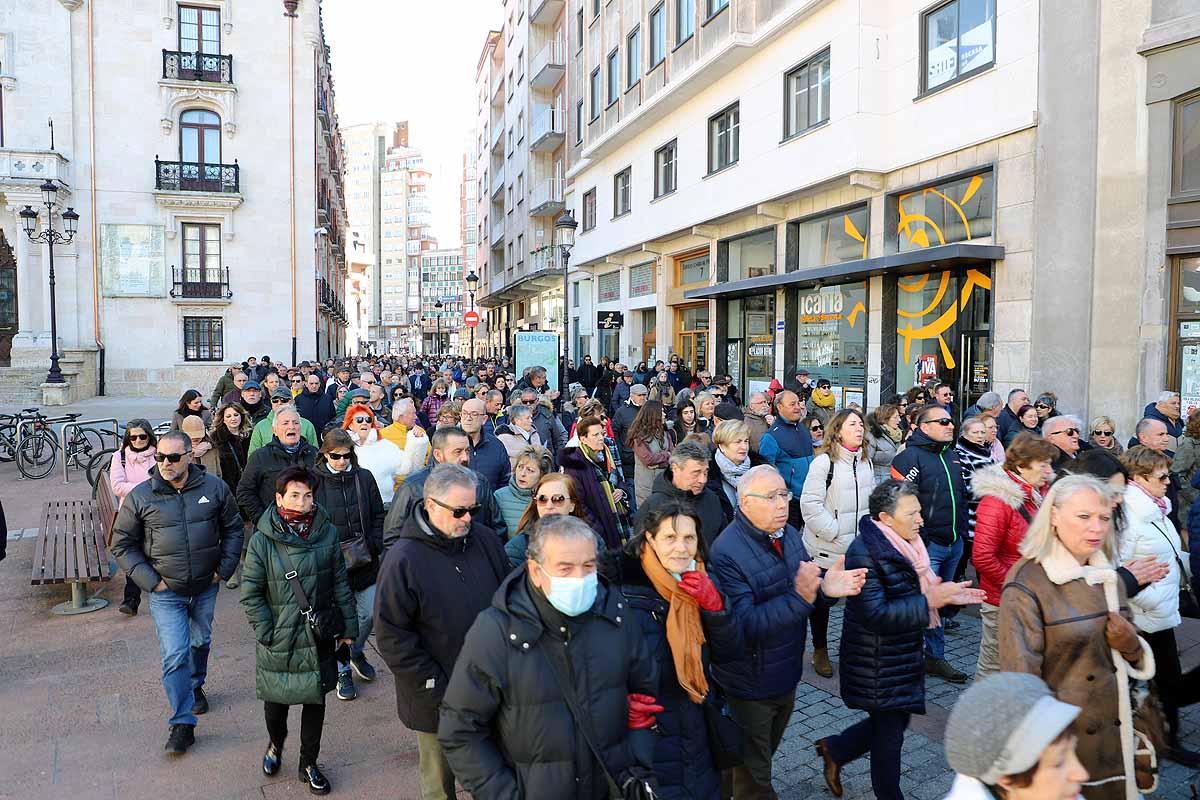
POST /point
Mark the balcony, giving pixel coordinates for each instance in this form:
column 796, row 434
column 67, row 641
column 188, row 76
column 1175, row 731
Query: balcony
column 190, row 284
column 497, row 87
column 208, row 67
column 330, row 303
column 498, row 138
column 497, row 183
column 549, row 130
column 548, row 66
column 540, row 271
column 545, row 12
column 190, row 176
column 546, row 199
column 497, row 237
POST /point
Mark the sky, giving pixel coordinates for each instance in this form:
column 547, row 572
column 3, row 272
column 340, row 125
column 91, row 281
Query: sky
column 410, row 60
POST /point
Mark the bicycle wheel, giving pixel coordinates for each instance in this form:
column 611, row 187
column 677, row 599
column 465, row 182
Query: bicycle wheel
column 83, row 444
column 98, row 464
column 37, row 454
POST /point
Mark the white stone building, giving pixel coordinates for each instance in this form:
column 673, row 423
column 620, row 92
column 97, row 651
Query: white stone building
column 198, row 142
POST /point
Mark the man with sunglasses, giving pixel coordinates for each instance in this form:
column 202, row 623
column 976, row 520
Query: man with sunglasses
column 439, row 574
column 178, row 535
column 931, row 463
column 280, row 397
column 1063, row 432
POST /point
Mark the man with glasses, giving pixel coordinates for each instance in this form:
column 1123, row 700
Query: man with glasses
column 178, row 535
column 1063, row 432
column 286, row 448
column 439, row 574
column 772, row 584
column 489, row 457
column 787, row 445
column 1017, row 399
column 280, row 397
column 930, row 462
column 758, row 418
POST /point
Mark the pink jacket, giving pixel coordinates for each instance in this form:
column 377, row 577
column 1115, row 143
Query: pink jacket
column 136, row 470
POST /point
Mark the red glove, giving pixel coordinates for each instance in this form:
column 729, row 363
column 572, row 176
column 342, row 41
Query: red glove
column 642, row 708
column 700, row 586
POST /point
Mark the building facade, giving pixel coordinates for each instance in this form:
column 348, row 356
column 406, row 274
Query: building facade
column 884, row 193
column 468, row 231
column 200, row 241
column 406, row 235
column 442, row 306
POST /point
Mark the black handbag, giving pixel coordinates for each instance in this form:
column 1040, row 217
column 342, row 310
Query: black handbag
column 326, row 625
column 725, row 741
column 1188, row 606
column 356, row 552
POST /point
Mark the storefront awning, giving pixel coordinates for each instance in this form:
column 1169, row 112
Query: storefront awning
column 947, row 256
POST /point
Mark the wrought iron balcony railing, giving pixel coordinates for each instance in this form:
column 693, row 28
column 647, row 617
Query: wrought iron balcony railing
column 209, row 67
column 197, row 284
column 190, row 176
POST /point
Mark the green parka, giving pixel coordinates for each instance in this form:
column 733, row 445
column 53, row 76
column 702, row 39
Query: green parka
column 289, row 666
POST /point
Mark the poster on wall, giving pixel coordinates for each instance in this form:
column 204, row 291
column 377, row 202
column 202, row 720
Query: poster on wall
column 854, row 397
column 733, row 361
column 927, row 366
column 537, row 349
column 133, row 261
column 1189, row 378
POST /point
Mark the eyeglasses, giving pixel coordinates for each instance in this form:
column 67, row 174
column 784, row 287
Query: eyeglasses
column 943, row 421
column 1041, row 405
column 1102, row 433
column 773, row 497
column 337, row 456
column 473, row 414
column 139, row 437
column 360, row 419
column 458, row 513
column 172, row 457
column 553, row 499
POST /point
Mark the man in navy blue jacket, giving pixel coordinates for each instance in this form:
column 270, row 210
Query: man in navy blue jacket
column 760, row 564
column 787, row 445
column 489, row 457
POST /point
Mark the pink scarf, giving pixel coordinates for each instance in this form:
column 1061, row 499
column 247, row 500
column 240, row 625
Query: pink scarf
column 1161, row 502
column 914, row 550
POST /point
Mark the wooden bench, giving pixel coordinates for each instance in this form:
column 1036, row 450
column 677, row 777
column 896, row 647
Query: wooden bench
column 71, row 548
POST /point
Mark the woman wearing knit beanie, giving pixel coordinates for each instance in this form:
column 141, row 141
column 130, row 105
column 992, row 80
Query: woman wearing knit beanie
column 1026, row 751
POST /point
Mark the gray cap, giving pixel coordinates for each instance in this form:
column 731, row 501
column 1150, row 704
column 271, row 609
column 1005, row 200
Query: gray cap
column 1022, row 717
column 639, row 388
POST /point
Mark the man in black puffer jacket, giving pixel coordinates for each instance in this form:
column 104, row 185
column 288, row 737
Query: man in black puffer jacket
column 505, row 725
column 685, row 481
column 256, row 489
column 931, row 463
column 178, row 535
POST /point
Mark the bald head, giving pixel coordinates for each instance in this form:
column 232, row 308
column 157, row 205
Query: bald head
column 474, row 412
column 789, row 406
column 1153, row 433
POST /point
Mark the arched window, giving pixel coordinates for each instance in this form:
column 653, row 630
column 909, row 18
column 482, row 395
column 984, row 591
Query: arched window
column 199, row 137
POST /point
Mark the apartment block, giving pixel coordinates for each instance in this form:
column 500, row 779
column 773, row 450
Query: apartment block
column 441, row 301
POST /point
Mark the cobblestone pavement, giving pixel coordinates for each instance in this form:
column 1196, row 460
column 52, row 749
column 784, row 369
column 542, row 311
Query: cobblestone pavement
column 819, row 712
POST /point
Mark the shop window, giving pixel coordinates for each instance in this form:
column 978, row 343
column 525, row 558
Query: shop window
column 1187, row 146
column 958, row 40
column 957, row 210
column 749, row 256
column 610, row 286
column 693, row 270
column 832, row 338
column 943, row 324
column 832, row 238
column 641, row 280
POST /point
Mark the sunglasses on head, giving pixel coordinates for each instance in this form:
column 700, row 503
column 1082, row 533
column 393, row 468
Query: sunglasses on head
column 139, row 437
column 337, row 456
column 172, row 457
column 553, row 499
column 458, row 513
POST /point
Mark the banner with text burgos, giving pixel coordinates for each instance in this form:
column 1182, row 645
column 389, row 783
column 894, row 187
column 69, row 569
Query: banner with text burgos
column 537, row 349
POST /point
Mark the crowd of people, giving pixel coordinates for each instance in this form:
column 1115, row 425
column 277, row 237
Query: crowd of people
column 608, row 591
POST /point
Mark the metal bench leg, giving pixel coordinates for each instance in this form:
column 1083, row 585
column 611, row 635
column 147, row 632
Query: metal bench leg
column 80, row 603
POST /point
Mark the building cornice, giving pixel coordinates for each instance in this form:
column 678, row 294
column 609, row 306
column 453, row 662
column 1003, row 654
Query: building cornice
column 205, row 206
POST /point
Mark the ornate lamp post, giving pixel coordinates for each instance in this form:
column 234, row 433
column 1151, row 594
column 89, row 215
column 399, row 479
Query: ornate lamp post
column 564, row 237
column 472, row 284
column 50, row 238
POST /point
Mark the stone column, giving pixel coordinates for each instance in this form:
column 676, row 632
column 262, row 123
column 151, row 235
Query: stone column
column 27, row 347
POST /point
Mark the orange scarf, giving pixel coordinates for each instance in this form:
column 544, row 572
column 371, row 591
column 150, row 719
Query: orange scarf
column 685, row 634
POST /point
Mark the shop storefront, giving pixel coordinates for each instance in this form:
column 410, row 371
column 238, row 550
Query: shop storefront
column 748, row 325
column 1186, row 339
column 831, row 338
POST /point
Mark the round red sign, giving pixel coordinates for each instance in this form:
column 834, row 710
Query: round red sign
column 471, row 319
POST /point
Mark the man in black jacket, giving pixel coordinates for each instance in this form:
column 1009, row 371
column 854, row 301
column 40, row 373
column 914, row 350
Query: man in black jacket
column 256, row 489
column 178, row 535
column 315, row 405
column 1007, row 420
column 506, row 725
column 931, row 463
column 684, row 481
column 436, row 578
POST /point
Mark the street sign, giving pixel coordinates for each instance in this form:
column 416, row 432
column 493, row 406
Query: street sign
column 471, row 319
column 610, row 320
column 450, row 298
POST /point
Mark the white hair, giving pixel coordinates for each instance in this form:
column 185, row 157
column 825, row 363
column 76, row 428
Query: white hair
column 1167, row 395
column 404, row 405
column 1040, row 538
column 753, row 474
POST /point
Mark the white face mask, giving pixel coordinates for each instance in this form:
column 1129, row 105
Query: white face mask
column 571, row 596
column 691, row 568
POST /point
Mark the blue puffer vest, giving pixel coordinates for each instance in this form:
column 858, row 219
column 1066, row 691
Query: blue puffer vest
column 788, row 446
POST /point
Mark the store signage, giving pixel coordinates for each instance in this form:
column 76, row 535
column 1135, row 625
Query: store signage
column 610, row 320
column 821, row 307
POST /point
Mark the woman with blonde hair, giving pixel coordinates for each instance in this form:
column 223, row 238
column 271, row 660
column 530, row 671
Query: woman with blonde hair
column 1064, row 616
column 530, row 464
column 730, row 461
column 1104, row 436
column 835, row 497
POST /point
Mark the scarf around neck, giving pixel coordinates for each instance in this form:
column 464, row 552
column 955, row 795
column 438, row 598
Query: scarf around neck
column 1161, row 502
column 822, row 398
column 731, row 473
column 300, row 523
column 685, row 633
column 914, row 550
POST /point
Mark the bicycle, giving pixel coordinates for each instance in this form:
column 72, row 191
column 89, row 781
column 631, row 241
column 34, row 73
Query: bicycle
column 37, row 449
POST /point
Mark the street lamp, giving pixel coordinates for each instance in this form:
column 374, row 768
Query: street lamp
column 50, row 238
column 438, row 315
column 564, row 237
column 472, row 284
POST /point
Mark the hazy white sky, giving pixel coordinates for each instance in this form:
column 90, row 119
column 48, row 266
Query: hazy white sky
column 411, row 60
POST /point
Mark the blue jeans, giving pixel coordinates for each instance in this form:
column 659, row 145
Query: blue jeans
column 184, row 627
column 364, row 602
column 943, row 559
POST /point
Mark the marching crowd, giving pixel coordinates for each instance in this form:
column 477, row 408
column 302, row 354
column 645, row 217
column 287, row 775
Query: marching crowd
column 609, row 593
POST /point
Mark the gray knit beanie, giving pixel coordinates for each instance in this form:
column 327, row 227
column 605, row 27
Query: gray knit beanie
column 1002, row 725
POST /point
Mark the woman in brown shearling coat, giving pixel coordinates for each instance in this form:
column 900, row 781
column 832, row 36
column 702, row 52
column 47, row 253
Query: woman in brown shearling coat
column 1055, row 623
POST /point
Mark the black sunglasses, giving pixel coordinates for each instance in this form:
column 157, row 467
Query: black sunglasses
column 553, row 499
column 1040, row 405
column 359, row 420
column 337, row 456
column 943, row 421
column 279, row 400
column 172, row 457
column 1102, row 433
column 1069, row 431
column 139, row 437
column 817, row 428
column 458, row 513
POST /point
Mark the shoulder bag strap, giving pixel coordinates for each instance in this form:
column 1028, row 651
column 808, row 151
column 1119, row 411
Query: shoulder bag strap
column 1024, row 512
column 293, row 578
column 1183, row 575
column 583, row 722
column 362, row 509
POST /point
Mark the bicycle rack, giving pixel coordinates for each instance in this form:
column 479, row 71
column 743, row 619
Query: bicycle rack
column 82, row 423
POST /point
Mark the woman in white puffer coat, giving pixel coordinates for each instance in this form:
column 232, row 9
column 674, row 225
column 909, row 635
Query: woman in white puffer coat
column 832, row 504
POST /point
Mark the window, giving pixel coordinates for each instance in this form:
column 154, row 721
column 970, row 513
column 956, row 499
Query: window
column 199, row 30
column 641, row 280
column 609, row 285
column 203, row 339
column 693, row 270
column 959, row 39
column 199, row 137
column 749, row 256
column 806, row 96
column 658, row 35
column 579, row 28
column 633, row 58
column 664, row 168
column 520, row 127
column 832, row 238
column 1187, row 146
column 716, row 5
column 685, row 20
column 595, row 93
column 201, row 260
column 511, row 86
column 956, row 210
column 614, row 76
column 589, row 210
column 595, row 8
column 621, row 190
column 520, row 66
column 579, row 122
column 723, row 138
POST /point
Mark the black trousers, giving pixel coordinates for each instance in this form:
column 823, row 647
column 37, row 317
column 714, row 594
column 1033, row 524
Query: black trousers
column 795, row 519
column 1175, row 689
column 763, row 723
column 312, row 722
column 882, row 735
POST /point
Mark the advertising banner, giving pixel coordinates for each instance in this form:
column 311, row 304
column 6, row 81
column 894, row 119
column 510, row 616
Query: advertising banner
column 538, row 349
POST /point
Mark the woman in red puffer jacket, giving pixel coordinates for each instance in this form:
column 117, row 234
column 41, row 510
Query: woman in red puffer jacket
column 1009, row 496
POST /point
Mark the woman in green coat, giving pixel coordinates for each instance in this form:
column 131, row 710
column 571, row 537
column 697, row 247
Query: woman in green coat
column 291, row 668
